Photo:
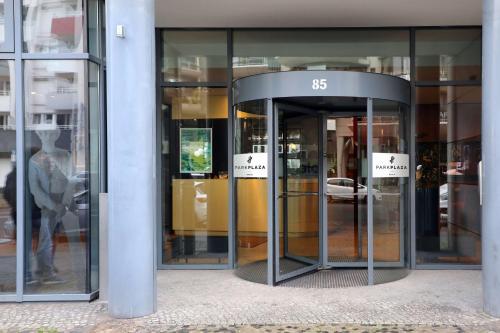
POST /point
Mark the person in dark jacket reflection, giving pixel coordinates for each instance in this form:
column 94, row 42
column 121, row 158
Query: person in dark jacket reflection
column 49, row 173
column 10, row 195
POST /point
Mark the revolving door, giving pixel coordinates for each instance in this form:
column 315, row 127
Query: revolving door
column 321, row 177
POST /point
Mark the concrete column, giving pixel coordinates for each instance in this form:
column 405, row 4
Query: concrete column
column 131, row 147
column 491, row 157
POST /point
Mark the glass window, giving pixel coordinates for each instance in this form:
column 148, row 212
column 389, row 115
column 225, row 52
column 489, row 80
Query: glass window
column 194, row 175
column 194, row 56
column 377, row 51
column 389, row 193
column 448, row 54
column 57, row 178
column 6, row 26
column 7, row 179
column 448, row 149
column 53, row 26
column 93, row 27
column 251, row 193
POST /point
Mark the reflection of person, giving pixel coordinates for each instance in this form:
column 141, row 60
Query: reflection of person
column 9, row 192
column 49, row 173
column 10, row 196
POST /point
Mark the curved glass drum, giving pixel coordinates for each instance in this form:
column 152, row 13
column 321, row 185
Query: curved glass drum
column 321, row 173
column 250, row 147
column 390, row 193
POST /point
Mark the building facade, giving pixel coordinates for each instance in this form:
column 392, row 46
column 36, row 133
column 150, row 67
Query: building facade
column 274, row 145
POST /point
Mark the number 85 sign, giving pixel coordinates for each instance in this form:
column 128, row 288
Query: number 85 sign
column 319, row 84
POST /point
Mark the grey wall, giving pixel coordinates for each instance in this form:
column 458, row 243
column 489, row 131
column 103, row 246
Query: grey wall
column 320, row 13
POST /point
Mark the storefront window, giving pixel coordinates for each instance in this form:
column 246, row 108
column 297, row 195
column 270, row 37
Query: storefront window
column 448, row 54
column 195, row 186
column 194, row 56
column 53, row 26
column 448, row 150
column 8, row 191
column 57, row 205
column 250, row 143
column 376, row 51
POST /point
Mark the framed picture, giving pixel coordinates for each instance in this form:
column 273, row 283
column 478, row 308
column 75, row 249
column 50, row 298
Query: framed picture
column 195, row 150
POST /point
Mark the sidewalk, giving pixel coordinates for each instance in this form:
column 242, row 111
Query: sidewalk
column 425, row 301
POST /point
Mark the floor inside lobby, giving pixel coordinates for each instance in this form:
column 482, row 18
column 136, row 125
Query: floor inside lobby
column 447, row 298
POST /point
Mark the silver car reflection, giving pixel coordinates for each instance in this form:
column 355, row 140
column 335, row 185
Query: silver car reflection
column 343, row 189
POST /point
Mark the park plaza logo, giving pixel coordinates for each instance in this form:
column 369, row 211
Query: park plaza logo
column 391, row 165
column 249, row 165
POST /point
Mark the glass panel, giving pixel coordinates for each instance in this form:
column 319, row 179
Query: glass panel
column 448, row 149
column 102, row 9
column 347, row 210
column 378, row 51
column 194, row 56
column 250, row 137
column 298, row 193
column 6, row 26
column 389, row 193
column 448, row 54
column 57, row 174
column 7, row 179
column 53, row 26
column 93, row 27
column 94, row 133
column 194, row 173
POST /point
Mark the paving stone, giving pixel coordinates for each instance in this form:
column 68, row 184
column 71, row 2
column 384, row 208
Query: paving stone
column 218, row 301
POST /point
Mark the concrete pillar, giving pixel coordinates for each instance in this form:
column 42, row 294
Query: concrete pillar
column 491, row 157
column 131, row 146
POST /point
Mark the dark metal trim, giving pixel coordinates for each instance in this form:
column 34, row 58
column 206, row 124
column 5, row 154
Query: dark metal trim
column 445, row 83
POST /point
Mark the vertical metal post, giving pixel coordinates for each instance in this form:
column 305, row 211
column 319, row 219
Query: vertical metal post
column 131, row 158
column 270, row 193
column 103, row 169
column 284, row 185
column 231, row 228
column 20, row 157
column 491, row 157
column 369, row 107
column 412, row 140
column 323, row 222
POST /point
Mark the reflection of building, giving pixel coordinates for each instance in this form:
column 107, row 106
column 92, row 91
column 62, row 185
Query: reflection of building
column 53, row 25
column 56, row 101
column 7, row 120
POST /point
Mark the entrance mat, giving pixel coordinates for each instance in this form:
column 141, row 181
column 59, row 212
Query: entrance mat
column 331, row 278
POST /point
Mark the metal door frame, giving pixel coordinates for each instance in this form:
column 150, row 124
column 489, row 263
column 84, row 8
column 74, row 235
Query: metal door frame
column 326, row 263
column 313, row 265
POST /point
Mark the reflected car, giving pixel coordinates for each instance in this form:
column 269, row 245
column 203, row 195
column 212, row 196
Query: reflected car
column 443, row 202
column 343, row 189
column 443, row 196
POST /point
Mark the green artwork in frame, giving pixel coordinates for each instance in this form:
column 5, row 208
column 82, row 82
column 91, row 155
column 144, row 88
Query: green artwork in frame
column 196, row 150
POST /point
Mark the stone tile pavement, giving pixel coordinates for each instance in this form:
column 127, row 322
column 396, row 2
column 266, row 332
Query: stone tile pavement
column 210, row 301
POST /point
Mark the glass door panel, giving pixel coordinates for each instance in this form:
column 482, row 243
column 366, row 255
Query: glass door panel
column 346, row 188
column 389, row 204
column 297, row 175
